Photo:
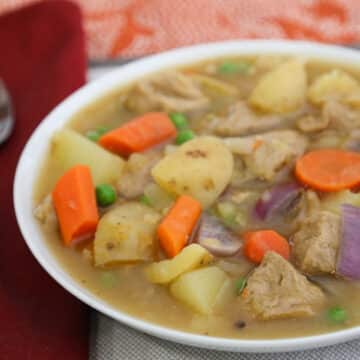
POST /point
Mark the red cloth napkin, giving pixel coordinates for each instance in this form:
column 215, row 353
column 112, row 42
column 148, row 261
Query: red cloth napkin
column 42, row 61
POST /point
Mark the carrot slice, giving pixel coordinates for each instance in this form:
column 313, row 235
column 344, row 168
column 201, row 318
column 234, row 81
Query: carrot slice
column 139, row 134
column 245, row 293
column 257, row 243
column 175, row 229
column 75, row 204
column 329, row 170
column 257, row 144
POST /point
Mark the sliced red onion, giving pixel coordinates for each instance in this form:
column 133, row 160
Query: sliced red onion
column 278, row 199
column 213, row 236
column 353, row 143
column 194, row 234
column 349, row 254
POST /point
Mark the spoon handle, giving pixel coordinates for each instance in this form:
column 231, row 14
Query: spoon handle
column 7, row 119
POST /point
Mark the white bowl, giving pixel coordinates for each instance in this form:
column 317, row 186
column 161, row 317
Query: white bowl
column 38, row 144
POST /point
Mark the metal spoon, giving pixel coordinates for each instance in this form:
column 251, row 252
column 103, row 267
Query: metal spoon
column 7, row 119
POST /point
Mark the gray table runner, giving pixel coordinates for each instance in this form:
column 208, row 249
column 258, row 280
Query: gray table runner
column 111, row 340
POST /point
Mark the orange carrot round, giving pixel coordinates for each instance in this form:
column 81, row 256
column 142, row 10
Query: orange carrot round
column 329, row 170
column 257, row 243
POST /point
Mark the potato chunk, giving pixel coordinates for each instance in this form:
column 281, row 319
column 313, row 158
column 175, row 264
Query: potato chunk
column 200, row 288
column 282, row 89
column 188, row 259
column 69, row 148
column 201, row 168
column 333, row 85
column 125, row 234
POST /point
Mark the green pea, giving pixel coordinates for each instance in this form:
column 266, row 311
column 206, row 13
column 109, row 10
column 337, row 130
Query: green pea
column 145, row 200
column 102, row 130
column 240, row 285
column 108, row 279
column 95, row 135
column 184, row 136
column 232, row 68
column 337, row 314
column 179, row 120
column 105, row 195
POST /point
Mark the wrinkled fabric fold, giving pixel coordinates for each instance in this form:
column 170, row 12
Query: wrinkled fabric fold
column 42, row 60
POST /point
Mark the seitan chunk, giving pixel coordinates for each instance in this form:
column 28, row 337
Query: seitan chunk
column 242, row 120
column 136, row 173
column 311, row 123
column 277, row 290
column 340, row 116
column 265, row 155
column 316, row 244
column 245, row 145
column 169, row 91
column 45, row 213
column 275, row 154
column 269, row 158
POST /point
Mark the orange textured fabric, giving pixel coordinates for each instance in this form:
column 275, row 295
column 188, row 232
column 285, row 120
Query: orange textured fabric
column 129, row 28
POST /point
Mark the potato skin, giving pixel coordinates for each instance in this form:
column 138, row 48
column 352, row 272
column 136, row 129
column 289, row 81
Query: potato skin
column 201, row 168
column 126, row 234
column 282, row 89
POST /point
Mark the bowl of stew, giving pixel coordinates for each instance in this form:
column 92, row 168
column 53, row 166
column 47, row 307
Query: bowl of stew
column 207, row 195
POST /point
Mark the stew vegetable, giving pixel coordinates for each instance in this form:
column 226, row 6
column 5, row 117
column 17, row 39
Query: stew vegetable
column 219, row 199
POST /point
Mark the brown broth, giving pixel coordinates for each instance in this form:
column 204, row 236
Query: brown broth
column 133, row 294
